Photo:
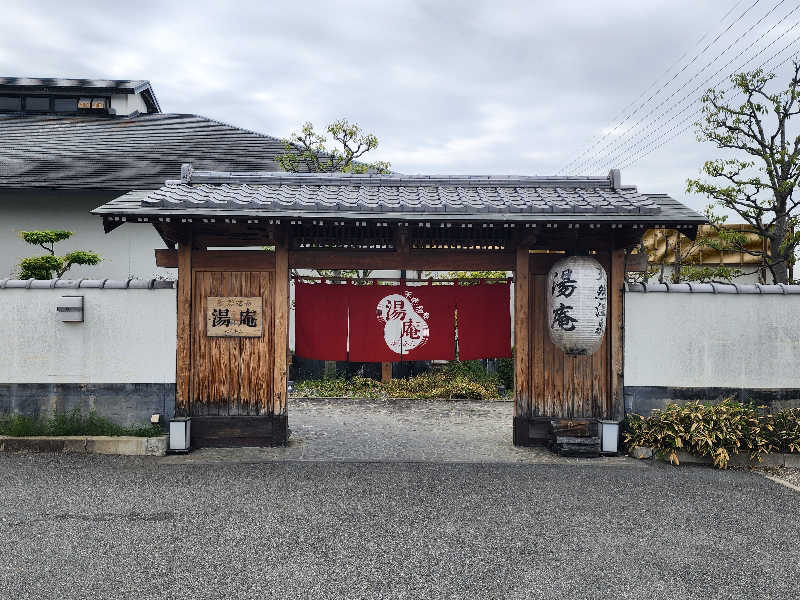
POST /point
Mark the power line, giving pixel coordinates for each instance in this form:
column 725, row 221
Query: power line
column 599, row 139
column 596, row 157
column 622, row 150
column 647, row 150
column 667, row 83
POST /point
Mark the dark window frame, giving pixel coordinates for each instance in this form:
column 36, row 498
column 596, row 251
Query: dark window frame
column 23, row 110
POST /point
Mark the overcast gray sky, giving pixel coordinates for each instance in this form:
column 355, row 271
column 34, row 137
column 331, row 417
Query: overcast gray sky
column 448, row 87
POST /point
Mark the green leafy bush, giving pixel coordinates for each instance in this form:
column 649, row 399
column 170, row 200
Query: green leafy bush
column 457, row 380
column 445, row 384
column 72, row 423
column 505, row 371
column 783, row 430
column 43, row 267
column 22, row 425
column 715, row 430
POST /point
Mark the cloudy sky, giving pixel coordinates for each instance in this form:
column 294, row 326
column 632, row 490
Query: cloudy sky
column 447, row 86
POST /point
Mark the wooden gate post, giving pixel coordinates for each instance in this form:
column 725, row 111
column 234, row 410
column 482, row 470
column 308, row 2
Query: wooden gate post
column 183, row 362
column 522, row 359
column 386, row 372
column 280, row 372
column 617, row 298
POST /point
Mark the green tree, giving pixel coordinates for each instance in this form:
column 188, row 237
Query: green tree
column 43, row 267
column 759, row 181
column 310, row 149
column 465, row 276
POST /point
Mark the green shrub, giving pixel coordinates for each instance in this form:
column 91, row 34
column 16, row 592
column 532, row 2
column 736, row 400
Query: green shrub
column 715, row 430
column 72, row 423
column 460, row 382
column 505, row 371
column 783, row 430
column 22, row 426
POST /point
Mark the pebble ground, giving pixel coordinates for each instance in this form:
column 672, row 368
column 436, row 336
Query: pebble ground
column 122, row 527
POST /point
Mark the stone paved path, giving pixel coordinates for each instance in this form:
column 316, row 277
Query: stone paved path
column 413, row 431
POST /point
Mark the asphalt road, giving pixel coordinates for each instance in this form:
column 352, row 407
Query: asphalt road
column 114, row 527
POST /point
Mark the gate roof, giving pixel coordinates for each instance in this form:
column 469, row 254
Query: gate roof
column 372, row 197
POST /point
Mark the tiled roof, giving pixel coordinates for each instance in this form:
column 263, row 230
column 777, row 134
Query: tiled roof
column 103, row 284
column 121, row 86
column 124, row 153
column 400, row 196
column 104, row 87
column 713, row 288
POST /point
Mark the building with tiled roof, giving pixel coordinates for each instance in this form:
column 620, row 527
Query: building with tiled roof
column 70, row 145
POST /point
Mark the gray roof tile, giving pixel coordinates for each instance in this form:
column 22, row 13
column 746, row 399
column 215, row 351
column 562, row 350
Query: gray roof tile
column 714, row 288
column 123, row 153
column 399, row 196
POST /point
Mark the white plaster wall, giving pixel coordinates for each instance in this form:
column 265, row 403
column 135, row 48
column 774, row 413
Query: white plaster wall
column 128, row 336
column 127, row 251
column 712, row 340
column 125, row 104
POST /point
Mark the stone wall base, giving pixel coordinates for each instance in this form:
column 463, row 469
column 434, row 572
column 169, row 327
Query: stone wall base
column 643, row 399
column 122, row 403
column 93, row 444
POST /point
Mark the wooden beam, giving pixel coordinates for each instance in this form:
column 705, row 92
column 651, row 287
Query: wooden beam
column 419, row 260
column 522, row 359
column 281, row 324
column 183, row 363
column 228, row 260
column 617, row 297
column 167, row 259
column 386, row 372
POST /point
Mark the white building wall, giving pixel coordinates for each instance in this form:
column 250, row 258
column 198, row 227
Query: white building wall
column 672, row 340
column 128, row 336
column 126, row 104
column 127, row 251
column 705, row 340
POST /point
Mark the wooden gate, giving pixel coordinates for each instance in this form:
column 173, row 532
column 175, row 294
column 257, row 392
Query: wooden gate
column 549, row 384
column 231, row 376
column 233, row 383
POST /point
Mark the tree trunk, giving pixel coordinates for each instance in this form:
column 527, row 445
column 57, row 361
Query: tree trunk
column 779, row 259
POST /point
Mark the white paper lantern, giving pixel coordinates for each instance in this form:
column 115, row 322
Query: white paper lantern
column 577, row 301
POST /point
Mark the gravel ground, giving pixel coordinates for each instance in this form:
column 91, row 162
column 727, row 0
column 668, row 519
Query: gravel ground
column 120, row 527
column 368, row 431
column 789, row 475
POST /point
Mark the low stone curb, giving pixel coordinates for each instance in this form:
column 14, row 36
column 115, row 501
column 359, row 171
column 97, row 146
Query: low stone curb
column 91, row 444
column 737, row 460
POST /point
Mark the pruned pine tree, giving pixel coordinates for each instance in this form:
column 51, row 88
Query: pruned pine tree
column 44, row 267
column 310, row 151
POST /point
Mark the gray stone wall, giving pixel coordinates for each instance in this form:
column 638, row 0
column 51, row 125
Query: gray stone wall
column 122, row 403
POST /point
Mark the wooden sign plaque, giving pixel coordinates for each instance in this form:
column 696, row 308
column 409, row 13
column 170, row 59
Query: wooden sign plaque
column 234, row 316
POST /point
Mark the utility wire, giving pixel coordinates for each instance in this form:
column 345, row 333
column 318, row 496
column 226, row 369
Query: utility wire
column 668, row 82
column 599, row 139
column 615, row 154
column 597, row 156
column 647, row 150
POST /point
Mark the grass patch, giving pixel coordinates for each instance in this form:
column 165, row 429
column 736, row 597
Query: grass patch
column 72, row 423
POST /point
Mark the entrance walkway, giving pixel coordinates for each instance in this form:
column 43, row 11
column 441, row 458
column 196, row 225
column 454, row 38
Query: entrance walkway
column 396, row 430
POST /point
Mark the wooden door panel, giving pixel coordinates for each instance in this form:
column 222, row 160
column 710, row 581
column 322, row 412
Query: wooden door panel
column 231, row 375
column 563, row 386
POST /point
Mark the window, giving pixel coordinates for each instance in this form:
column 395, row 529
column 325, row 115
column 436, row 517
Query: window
column 58, row 104
column 37, row 104
column 65, row 105
column 10, row 104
